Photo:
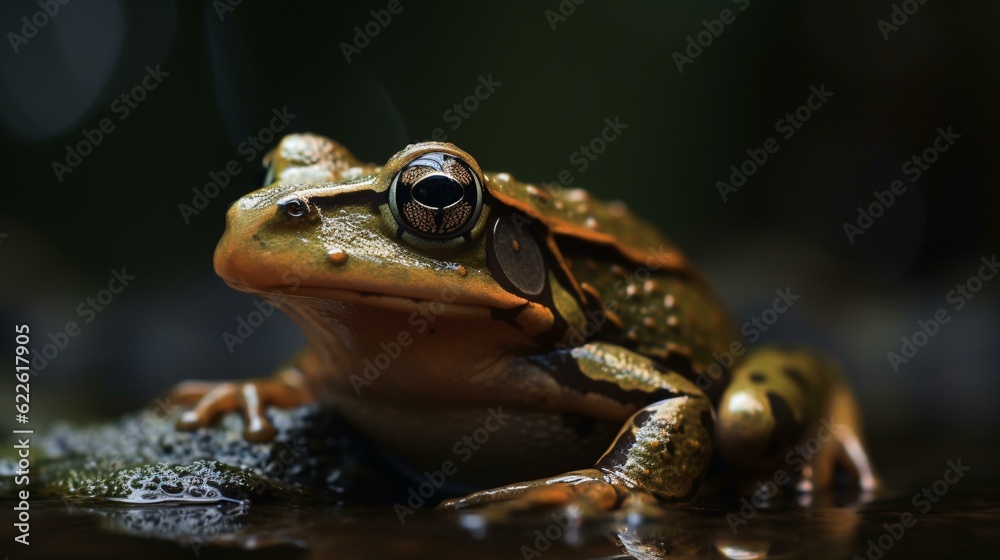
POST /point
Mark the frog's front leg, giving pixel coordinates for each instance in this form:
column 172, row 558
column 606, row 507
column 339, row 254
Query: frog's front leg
column 209, row 400
column 792, row 410
column 661, row 452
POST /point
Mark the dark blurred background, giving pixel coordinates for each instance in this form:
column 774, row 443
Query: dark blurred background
column 226, row 68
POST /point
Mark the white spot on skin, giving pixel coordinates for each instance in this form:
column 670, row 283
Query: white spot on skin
column 741, row 403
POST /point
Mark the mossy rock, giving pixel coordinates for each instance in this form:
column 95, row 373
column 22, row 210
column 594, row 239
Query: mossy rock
column 143, row 458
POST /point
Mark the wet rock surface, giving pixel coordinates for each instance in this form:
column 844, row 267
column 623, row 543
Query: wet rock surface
column 140, row 488
column 143, row 459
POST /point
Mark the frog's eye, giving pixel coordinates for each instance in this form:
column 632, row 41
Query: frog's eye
column 436, row 196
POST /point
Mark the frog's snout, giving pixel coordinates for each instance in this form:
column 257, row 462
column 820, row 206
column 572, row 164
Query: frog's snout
column 231, row 254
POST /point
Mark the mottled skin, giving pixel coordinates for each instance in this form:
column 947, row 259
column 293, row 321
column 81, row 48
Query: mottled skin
column 586, row 328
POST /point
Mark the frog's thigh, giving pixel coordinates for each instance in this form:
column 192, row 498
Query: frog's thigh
column 665, row 447
column 791, row 409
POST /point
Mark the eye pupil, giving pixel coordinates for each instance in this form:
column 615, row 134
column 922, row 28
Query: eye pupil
column 437, row 191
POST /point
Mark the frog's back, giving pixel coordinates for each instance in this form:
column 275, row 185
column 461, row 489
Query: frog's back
column 655, row 302
column 577, row 213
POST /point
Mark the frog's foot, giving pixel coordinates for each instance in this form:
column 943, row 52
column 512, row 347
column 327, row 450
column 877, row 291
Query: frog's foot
column 792, row 408
column 591, row 487
column 661, row 455
column 211, row 400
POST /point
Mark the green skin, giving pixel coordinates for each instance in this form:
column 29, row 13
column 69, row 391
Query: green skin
column 549, row 332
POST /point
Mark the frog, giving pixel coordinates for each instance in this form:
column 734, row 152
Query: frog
column 529, row 343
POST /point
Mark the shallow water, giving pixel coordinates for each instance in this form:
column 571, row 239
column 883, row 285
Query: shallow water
column 963, row 523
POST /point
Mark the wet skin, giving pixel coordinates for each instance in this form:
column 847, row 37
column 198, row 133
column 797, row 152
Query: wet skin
column 442, row 302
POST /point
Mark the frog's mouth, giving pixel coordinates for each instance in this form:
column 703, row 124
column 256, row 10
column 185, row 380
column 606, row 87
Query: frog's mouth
column 445, row 302
column 366, row 284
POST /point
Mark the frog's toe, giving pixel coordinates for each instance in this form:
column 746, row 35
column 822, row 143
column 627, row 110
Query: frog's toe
column 212, row 400
column 589, row 488
column 189, row 393
column 215, row 400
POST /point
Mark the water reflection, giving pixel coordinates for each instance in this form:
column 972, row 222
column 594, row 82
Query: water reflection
column 963, row 526
column 666, row 534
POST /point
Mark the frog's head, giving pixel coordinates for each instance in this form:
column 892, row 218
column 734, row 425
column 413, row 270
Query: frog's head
column 422, row 228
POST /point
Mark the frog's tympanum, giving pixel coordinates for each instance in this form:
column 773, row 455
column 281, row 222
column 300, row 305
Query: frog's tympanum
column 529, row 343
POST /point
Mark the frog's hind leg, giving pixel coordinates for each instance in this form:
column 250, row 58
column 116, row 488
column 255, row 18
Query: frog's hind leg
column 792, row 410
column 661, row 453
